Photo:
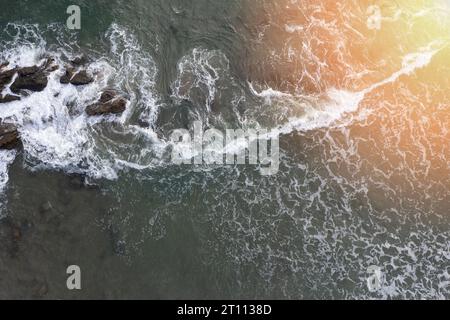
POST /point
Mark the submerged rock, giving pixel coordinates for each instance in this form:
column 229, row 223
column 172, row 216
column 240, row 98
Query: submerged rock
column 110, row 103
column 9, row 136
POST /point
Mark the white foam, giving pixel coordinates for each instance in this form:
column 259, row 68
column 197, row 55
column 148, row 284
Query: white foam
column 55, row 130
column 57, row 136
column 6, row 158
column 337, row 103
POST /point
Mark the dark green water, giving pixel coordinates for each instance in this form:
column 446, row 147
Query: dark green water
column 104, row 197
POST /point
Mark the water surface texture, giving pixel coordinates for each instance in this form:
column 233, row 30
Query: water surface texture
column 362, row 112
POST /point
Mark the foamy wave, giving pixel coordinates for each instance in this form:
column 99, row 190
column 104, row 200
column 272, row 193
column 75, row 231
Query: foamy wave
column 54, row 128
column 321, row 112
column 57, row 134
column 6, row 158
column 136, row 72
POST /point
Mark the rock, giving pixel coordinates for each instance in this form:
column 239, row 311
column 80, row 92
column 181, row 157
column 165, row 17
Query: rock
column 33, row 78
column 27, row 71
column 3, row 65
column 52, row 68
column 65, row 79
column 30, row 78
column 108, row 95
column 9, row 136
column 49, row 64
column 9, row 98
column 77, row 79
column 6, row 77
column 81, row 78
column 110, row 103
column 115, row 106
column 34, row 82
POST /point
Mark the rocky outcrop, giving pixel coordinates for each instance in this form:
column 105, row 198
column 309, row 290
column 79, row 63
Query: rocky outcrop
column 65, row 79
column 76, row 78
column 81, row 78
column 21, row 80
column 9, row 98
column 33, row 78
column 6, row 77
column 110, row 103
column 9, row 136
column 3, row 65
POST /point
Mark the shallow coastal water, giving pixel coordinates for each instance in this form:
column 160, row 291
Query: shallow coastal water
column 363, row 120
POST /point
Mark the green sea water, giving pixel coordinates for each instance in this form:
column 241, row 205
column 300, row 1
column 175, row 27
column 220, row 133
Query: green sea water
column 147, row 229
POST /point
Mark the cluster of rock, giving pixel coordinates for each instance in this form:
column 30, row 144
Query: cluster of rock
column 76, row 76
column 35, row 79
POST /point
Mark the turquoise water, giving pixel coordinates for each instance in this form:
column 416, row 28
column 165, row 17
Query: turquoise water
column 103, row 194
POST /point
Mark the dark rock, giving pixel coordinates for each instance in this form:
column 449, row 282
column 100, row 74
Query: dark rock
column 52, row 68
column 33, row 78
column 30, row 78
column 108, row 95
column 81, row 78
column 27, row 71
column 9, row 98
column 49, row 65
column 65, row 79
column 36, row 82
column 4, row 64
column 115, row 106
column 9, row 136
column 6, row 77
column 110, row 102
